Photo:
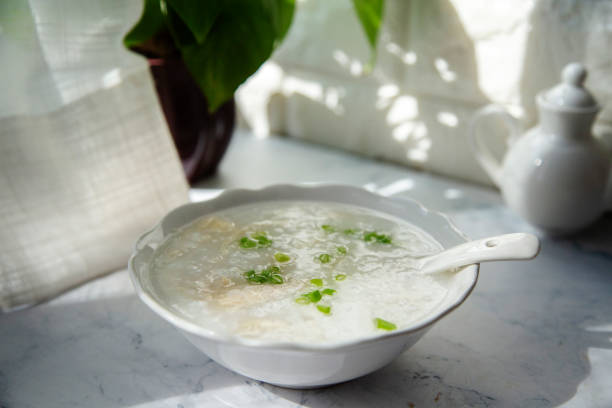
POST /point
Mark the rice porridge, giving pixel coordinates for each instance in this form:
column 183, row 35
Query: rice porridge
column 297, row 271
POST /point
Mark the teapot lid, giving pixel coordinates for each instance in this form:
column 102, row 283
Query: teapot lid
column 571, row 93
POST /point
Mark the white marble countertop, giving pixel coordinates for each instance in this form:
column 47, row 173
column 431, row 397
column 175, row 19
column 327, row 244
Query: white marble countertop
column 533, row 334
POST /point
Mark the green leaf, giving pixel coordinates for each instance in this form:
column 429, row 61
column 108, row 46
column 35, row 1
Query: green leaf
column 241, row 38
column 181, row 34
column 328, row 291
column 369, row 13
column 281, row 15
column 151, row 22
column 198, row 16
column 317, row 282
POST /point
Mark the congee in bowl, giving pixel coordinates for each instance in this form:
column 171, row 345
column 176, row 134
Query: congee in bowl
column 297, row 271
column 299, row 286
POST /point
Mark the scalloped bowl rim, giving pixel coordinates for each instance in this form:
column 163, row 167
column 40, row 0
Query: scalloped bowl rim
column 184, row 324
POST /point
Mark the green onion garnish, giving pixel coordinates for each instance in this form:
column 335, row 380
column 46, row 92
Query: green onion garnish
column 350, row 231
column 247, row 243
column 302, row 300
column 341, row 250
column 280, row 257
column 328, row 291
column 262, row 239
column 370, row 236
column 384, row 325
column 324, row 309
column 325, row 258
column 317, row 282
column 340, row 277
column 328, row 228
column 312, row 297
column 269, row 275
column 258, row 239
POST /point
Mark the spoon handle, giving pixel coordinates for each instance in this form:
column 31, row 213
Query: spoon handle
column 498, row 248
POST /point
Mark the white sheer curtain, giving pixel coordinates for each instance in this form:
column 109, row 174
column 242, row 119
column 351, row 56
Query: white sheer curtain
column 86, row 160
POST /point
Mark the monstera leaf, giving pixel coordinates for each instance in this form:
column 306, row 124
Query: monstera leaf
column 224, row 42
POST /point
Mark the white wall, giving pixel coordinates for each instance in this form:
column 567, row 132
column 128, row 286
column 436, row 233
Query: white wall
column 438, row 61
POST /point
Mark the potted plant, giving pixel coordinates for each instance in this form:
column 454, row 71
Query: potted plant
column 200, row 51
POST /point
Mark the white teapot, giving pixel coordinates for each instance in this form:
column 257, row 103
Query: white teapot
column 555, row 175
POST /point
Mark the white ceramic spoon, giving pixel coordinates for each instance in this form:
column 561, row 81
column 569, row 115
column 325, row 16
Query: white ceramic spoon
column 506, row 247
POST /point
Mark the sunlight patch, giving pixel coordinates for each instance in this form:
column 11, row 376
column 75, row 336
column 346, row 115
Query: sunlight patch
column 407, row 57
column 111, row 78
column 443, row 69
column 448, row 119
column 404, row 108
column 403, row 131
column 396, row 187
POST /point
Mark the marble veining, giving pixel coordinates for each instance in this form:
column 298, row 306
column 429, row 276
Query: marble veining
column 535, row 334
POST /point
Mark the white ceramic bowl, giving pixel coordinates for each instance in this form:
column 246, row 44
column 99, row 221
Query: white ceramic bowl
column 301, row 365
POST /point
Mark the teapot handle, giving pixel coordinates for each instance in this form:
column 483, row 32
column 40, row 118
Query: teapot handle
column 482, row 153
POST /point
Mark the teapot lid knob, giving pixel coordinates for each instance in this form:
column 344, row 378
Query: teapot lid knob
column 571, row 93
column 574, row 74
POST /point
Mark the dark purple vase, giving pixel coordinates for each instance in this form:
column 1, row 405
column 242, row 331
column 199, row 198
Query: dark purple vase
column 201, row 138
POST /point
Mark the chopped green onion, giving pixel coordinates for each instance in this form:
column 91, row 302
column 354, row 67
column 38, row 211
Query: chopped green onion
column 370, row 236
column 328, row 291
column 340, row 277
column 247, row 243
column 328, row 228
column 341, row 250
column 317, row 282
column 280, row 257
column 258, row 239
column 302, row 300
column 313, row 296
column 269, row 275
column 324, row 309
column 350, row 231
column 310, row 297
column 325, row 258
column 262, row 239
column 384, row 325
